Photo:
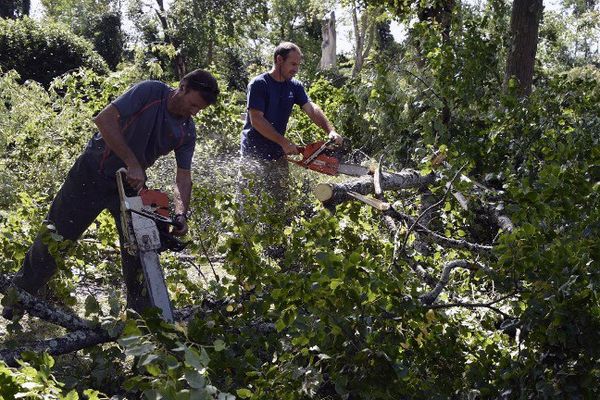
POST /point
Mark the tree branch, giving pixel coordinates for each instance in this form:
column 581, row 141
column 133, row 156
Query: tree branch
column 43, row 310
column 431, row 207
column 436, row 237
column 73, row 341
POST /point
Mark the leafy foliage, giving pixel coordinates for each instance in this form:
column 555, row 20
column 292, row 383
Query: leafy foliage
column 336, row 313
column 43, row 52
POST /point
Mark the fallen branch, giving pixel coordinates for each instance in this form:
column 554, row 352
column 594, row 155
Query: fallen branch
column 430, row 297
column 436, row 237
column 43, row 310
column 332, row 194
column 488, row 305
column 71, row 342
column 431, row 207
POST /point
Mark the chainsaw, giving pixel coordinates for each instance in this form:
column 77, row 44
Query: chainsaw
column 324, row 157
column 145, row 221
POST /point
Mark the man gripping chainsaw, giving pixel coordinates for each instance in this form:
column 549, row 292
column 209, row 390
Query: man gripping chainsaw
column 148, row 121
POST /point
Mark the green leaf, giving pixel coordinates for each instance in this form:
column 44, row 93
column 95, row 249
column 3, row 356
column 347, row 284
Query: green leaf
column 195, row 379
column 335, row 283
column 91, row 305
column 149, row 358
column 153, row 369
column 140, row 350
column 244, row 393
column 280, row 325
column 219, row 345
column 197, row 360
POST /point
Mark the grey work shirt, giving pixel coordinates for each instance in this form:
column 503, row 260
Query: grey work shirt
column 149, row 130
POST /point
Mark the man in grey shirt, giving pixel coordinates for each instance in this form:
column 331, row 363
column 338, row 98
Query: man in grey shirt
column 148, row 121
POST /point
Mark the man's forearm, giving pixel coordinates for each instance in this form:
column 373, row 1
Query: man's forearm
column 183, row 191
column 318, row 117
column 264, row 127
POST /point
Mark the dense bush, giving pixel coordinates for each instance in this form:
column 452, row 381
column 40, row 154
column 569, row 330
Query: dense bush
column 43, row 52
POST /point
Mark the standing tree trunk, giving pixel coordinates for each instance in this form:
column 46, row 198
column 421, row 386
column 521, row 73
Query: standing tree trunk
column 178, row 61
column 364, row 31
column 524, row 27
column 440, row 14
column 328, row 45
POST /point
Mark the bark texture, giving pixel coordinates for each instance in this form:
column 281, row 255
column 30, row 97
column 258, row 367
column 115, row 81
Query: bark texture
column 524, row 27
column 405, row 179
column 328, row 45
column 73, row 341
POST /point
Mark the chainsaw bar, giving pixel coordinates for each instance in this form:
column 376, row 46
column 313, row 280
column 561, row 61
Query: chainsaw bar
column 320, row 157
column 155, row 283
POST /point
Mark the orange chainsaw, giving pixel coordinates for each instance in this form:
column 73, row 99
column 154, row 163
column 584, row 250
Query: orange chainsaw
column 324, row 157
column 145, row 223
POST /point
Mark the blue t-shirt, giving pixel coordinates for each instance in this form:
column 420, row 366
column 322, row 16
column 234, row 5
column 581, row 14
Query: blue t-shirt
column 275, row 99
column 149, row 129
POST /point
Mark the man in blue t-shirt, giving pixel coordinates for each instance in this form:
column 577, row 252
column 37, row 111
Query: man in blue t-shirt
column 271, row 97
column 148, row 121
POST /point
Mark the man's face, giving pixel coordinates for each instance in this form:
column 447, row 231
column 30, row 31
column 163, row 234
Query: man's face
column 290, row 66
column 191, row 103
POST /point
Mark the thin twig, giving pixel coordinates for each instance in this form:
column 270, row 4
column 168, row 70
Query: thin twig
column 208, row 258
column 478, row 305
column 427, row 85
column 197, row 269
column 470, row 305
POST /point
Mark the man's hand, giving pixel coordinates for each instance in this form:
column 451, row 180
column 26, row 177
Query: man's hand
column 333, row 135
column 289, row 148
column 136, row 177
column 183, row 228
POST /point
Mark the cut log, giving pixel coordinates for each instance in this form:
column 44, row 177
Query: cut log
column 332, row 194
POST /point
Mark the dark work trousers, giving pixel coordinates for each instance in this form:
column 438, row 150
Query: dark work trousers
column 83, row 196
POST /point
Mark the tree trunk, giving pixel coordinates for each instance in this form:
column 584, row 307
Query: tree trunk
column 328, row 45
column 524, row 27
column 364, row 32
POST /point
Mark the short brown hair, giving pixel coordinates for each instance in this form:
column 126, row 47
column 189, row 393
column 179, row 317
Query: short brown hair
column 284, row 49
column 202, row 81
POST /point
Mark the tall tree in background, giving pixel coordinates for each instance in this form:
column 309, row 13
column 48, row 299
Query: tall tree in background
column 524, row 26
column 97, row 20
column 329, row 44
column 14, row 8
column 299, row 22
column 587, row 19
column 107, row 37
column 363, row 24
column 205, row 32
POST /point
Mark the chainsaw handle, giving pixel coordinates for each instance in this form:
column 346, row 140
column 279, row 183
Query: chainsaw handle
column 122, row 178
